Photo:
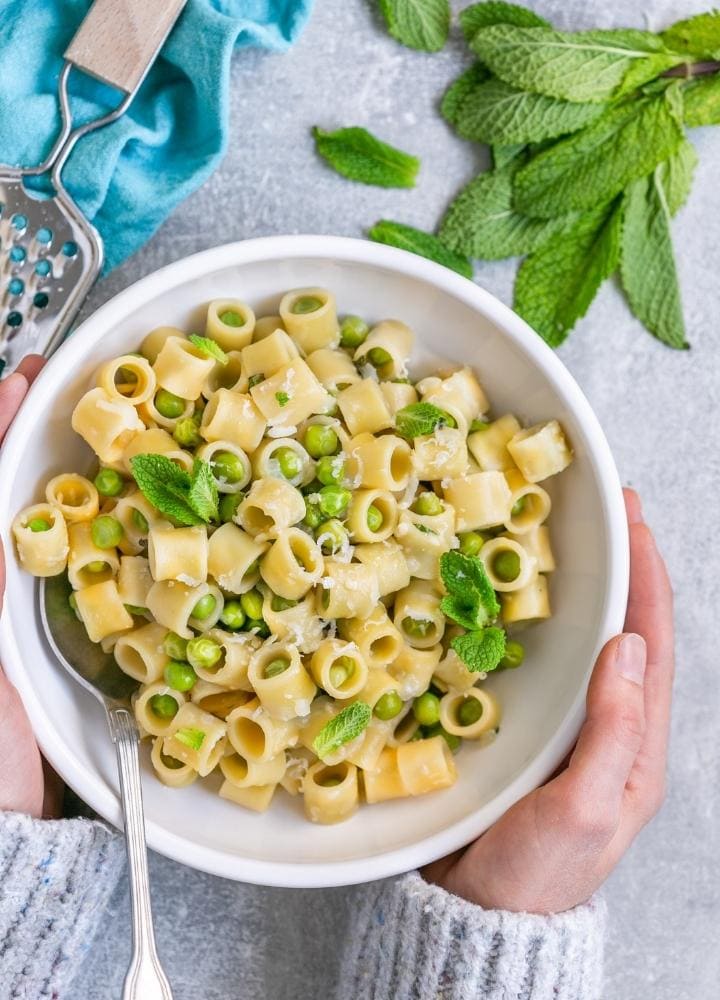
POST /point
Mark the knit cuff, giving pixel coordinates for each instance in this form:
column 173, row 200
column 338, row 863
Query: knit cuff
column 56, row 877
column 413, row 941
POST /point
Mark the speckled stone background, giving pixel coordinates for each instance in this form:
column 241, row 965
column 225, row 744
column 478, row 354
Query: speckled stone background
column 659, row 409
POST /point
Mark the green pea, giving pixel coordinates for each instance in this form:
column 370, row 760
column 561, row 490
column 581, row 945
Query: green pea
column 519, row 506
column 281, row 603
column 469, row 712
column 135, row 609
column 330, row 470
column 331, row 782
column 259, row 627
column 171, row 763
column 471, row 542
column 180, row 675
column 288, row 462
column 139, row 521
column 418, row 628
column 37, row 524
column 203, row 653
column 169, row 405
column 275, row 667
column 106, row 531
column 374, row 518
column 164, row 706
column 334, row 500
column 313, row 515
column 428, row 504
column 426, row 709
column 388, row 706
column 186, row 433
column 320, row 440
column 252, row 604
column 337, row 535
column 233, row 615
column 175, row 646
column 229, row 503
column 453, row 741
column 306, row 304
column 378, row 356
column 255, row 380
column 514, row 655
column 353, row 331
column 478, row 425
column 341, row 671
column 96, row 566
column 204, row 607
column 232, row 318
column 506, row 566
column 227, row 467
column 401, row 381
column 109, row 483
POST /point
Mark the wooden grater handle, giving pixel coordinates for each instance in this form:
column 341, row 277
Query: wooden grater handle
column 119, row 39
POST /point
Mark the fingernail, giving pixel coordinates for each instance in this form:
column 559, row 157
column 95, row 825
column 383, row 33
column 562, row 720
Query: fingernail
column 631, row 657
column 635, row 513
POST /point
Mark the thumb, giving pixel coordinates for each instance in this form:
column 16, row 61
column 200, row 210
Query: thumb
column 613, row 733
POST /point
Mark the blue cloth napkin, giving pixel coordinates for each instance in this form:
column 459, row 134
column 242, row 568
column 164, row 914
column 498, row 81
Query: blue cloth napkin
column 130, row 175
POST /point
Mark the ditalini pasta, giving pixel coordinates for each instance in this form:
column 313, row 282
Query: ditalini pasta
column 308, row 560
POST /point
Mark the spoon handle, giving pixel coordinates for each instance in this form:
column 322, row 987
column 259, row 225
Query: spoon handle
column 145, row 979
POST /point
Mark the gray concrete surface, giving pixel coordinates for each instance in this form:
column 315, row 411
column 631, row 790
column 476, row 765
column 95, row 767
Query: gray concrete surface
column 659, row 410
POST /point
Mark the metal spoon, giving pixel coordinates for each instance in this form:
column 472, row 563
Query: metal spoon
column 99, row 673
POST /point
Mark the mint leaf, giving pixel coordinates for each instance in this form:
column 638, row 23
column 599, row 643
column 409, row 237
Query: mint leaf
column 482, row 651
column 482, row 15
column 495, row 112
column 699, row 35
column 345, row 727
column 359, row 156
column 585, row 66
column 395, row 234
column 465, row 580
column 165, row 486
column 461, row 88
column 193, row 738
column 502, row 155
column 676, row 175
column 465, row 611
column 556, row 284
column 648, row 264
column 418, row 419
column 419, row 24
column 209, row 347
column 482, row 222
column 203, row 493
column 594, row 165
column 701, row 101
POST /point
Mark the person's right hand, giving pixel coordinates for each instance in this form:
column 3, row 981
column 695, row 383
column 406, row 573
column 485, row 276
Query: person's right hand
column 23, row 785
column 557, row 846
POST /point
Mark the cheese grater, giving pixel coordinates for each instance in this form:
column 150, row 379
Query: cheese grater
column 50, row 254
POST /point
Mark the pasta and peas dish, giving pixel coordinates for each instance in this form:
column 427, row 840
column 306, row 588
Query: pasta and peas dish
column 307, row 560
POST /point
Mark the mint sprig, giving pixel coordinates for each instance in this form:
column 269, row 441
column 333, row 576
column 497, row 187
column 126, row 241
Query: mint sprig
column 345, row 727
column 482, row 15
column 418, row 419
column 471, row 602
column 187, row 499
column 395, row 234
column 359, row 156
column 481, row 651
column 209, row 347
column 419, row 24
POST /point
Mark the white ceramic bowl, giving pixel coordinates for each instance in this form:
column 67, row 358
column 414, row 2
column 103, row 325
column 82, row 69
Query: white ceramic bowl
column 543, row 702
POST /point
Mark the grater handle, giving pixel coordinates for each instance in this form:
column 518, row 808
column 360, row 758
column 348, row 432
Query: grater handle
column 119, row 39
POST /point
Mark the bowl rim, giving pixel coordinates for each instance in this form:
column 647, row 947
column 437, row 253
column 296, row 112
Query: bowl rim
column 79, row 346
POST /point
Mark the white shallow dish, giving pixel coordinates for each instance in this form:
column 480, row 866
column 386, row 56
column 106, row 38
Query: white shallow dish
column 454, row 321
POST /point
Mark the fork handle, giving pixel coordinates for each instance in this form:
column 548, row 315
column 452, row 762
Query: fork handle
column 145, row 979
column 119, row 39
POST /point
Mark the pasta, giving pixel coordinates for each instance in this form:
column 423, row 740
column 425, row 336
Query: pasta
column 263, row 545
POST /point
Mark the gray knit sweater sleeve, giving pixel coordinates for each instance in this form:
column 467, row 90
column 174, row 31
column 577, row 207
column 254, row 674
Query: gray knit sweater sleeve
column 56, row 877
column 414, row 941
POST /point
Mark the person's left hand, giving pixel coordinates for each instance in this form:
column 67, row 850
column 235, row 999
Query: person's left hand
column 24, row 787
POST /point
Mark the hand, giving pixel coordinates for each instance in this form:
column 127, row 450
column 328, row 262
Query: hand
column 557, row 846
column 23, row 785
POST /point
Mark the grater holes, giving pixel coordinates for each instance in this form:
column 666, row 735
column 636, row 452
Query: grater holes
column 14, row 319
column 40, row 300
column 69, row 249
column 17, row 254
column 43, row 268
column 19, row 222
column 44, row 236
column 16, row 286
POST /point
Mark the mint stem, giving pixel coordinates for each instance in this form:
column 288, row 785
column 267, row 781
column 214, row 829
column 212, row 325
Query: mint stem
column 694, row 69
